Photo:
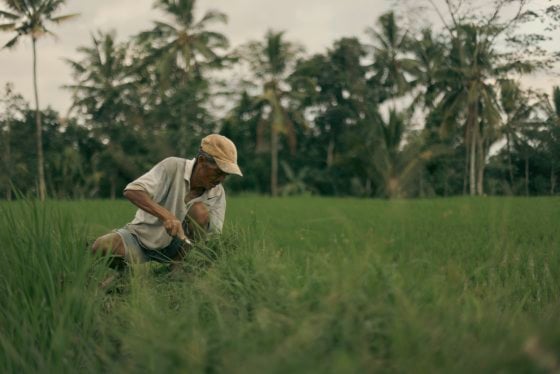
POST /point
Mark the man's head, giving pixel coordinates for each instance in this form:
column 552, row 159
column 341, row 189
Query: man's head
column 217, row 158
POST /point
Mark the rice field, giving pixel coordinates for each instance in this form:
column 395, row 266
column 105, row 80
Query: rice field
column 310, row 285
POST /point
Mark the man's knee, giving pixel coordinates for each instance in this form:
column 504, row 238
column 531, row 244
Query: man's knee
column 108, row 244
column 199, row 213
column 98, row 245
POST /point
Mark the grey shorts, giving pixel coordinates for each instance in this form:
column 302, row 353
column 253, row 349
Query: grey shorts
column 135, row 253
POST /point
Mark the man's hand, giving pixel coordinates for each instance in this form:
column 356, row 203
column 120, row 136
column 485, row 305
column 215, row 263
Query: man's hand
column 174, row 228
column 143, row 201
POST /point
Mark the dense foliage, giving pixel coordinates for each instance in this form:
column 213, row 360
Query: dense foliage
column 405, row 112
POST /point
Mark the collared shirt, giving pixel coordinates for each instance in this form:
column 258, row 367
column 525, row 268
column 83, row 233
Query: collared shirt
column 168, row 184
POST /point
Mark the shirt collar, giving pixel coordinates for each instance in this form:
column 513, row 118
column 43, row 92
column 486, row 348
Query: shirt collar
column 189, row 166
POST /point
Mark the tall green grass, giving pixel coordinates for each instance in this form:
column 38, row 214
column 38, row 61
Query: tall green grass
column 293, row 285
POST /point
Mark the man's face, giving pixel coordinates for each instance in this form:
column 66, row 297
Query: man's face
column 209, row 174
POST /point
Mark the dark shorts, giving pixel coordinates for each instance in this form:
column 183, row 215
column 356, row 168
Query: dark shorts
column 136, row 253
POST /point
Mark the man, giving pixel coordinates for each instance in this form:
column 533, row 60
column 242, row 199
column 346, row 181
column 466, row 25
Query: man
column 179, row 201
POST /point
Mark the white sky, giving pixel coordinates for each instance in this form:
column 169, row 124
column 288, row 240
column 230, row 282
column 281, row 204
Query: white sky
column 314, row 23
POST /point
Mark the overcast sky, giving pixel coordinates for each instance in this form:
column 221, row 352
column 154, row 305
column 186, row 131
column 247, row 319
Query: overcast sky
column 314, row 23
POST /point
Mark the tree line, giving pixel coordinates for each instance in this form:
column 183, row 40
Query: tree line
column 403, row 111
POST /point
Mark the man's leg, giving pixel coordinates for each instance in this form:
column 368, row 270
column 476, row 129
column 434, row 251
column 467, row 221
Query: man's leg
column 197, row 223
column 111, row 244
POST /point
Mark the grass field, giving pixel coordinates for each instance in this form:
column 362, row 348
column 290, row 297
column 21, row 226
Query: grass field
column 294, row 285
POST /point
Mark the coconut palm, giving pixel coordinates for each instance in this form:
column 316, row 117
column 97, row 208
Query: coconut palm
column 472, row 65
column 398, row 164
column 30, row 19
column 103, row 80
column 12, row 105
column 515, row 105
column 296, row 184
column 552, row 143
column 466, row 81
column 391, row 64
column 104, row 88
column 272, row 62
column 183, row 42
column 428, row 52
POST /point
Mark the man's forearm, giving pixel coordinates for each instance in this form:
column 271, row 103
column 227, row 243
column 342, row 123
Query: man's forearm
column 143, row 201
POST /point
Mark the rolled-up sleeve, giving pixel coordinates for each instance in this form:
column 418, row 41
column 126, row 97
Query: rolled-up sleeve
column 155, row 182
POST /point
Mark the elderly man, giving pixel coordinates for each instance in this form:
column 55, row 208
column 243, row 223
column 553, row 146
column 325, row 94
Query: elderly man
column 179, row 201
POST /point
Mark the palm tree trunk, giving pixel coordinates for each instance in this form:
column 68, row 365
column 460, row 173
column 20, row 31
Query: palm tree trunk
column 467, row 158
column 274, row 162
column 40, row 157
column 527, row 175
column 510, row 164
column 8, row 160
column 446, row 183
column 466, row 170
column 480, row 166
column 330, row 153
column 113, row 188
column 552, row 181
column 421, row 184
column 472, row 165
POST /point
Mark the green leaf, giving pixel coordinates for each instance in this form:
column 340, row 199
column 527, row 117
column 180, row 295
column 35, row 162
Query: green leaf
column 12, row 43
column 8, row 27
column 8, row 15
column 60, row 19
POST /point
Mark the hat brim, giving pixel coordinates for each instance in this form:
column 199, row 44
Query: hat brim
column 228, row 167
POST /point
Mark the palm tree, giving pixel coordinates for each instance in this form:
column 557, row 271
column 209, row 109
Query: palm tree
column 271, row 62
column 468, row 93
column 428, row 52
column 105, row 84
column 391, row 65
column 515, row 105
column 396, row 165
column 472, row 64
column 184, row 43
column 552, row 142
column 296, row 181
column 11, row 103
column 30, row 18
column 103, row 80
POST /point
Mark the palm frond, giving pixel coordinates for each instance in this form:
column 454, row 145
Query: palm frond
column 60, row 19
column 203, row 49
column 211, row 16
column 76, row 66
column 19, row 6
column 214, row 39
column 164, row 26
column 8, row 27
column 12, row 42
column 8, row 15
column 556, row 99
column 288, row 170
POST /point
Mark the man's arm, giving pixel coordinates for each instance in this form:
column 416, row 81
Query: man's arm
column 143, row 201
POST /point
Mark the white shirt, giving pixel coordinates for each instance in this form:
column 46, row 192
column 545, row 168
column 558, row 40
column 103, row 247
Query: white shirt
column 168, row 184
